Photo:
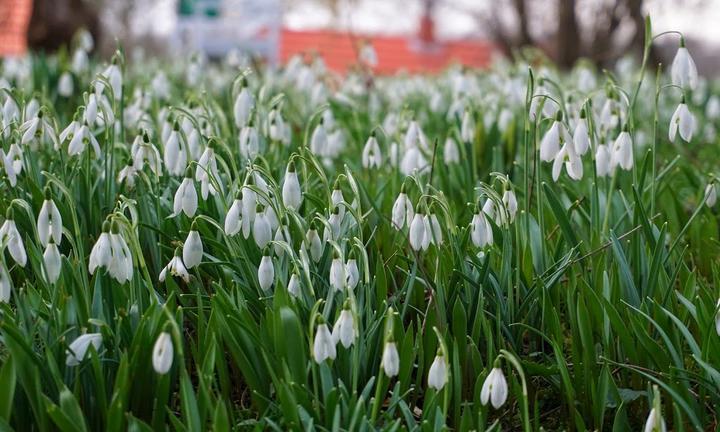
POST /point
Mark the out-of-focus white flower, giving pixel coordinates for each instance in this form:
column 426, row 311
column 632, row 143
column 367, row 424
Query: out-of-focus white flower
column 683, row 71
column 319, row 139
column 683, row 121
column 367, row 54
column 249, row 141
column 291, row 192
column 451, row 154
column 244, row 104
column 711, row 194
column 163, row 353
column 79, row 347
column 371, row 157
column 294, row 285
column 390, row 363
column 602, row 160
column 65, row 85
column 323, row 345
column 467, row 127
column 494, row 389
column 5, row 284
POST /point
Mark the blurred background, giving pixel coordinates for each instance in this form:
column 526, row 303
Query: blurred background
column 405, row 35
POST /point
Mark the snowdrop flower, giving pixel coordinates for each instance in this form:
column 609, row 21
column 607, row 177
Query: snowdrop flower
column 337, row 199
column 121, row 265
column 175, row 156
column 52, row 262
column 163, row 353
column 5, row 284
column 80, row 139
column 80, row 61
column 495, row 388
column 323, row 345
column 266, row 271
column 550, row 144
column 233, row 221
column 571, row 161
column 511, row 204
column 36, row 128
column 291, row 192
column 207, row 171
column 402, row 211
column 249, row 141
column 262, row 232
column 128, row 174
column 65, row 85
column 344, row 330
column 622, row 153
column 293, row 286
column 334, row 222
column 10, row 238
column 451, row 154
column 143, row 152
column 244, row 104
column 433, row 232
column 683, row 71
column 467, row 127
column 192, row 248
column 711, row 194
column 602, row 161
column 281, row 235
column 682, row 120
column 338, row 277
column 371, row 157
column 113, row 75
column 186, row 199
column 581, row 137
column 49, row 222
column 417, row 231
column 249, row 209
column 100, row 255
column 319, row 139
column 712, row 109
column 79, row 347
column 353, row 273
column 312, row 241
column 717, row 315
column 390, row 363
column 481, row 232
column 438, row 374
column 176, row 267
column 655, row 422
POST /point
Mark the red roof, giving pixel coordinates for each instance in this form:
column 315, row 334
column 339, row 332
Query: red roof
column 14, row 19
column 339, row 50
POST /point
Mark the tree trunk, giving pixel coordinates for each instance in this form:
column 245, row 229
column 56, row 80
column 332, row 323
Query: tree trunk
column 568, row 35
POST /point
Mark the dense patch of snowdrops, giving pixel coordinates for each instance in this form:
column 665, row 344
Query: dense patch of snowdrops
column 196, row 245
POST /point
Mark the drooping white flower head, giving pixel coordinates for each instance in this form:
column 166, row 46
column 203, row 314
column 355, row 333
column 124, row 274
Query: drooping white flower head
column 711, row 194
column 233, row 219
column 291, row 191
column 390, row 363
column 655, row 422
column 572, row 162
column 65, row 85
column 402, row 211
column 371, row 156
column 10, row 238
column 353, row 273
column 319, row 139
column 323, row 345
column 163, row 353
column 49, row 222
column 683, row 71
column 581, row 136
column 417, row 231
column 510, row 201
column 622, row 151
column 481, row 232
column 176, row 267
column 52, row 262
column 683, row 121
column 293, row 286
column 266, row 272
column 495, row 388
column 192, row 248
column 345, row 330
column 244, row 104
column 553, row 139
column 100, row 255
column 121, row 263
column 451, row 153
column 467, row 127
column 338, row 277
column 262, row 232
column 79, row 347
column 5, row 284
column 207, row 172
column 602, row 161
column 176, row 154
column 438, row 373
column 186, row 199
column 314, row 244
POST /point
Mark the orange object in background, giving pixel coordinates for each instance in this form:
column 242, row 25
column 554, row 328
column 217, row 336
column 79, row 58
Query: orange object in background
column 395, row 53
column 14, row 21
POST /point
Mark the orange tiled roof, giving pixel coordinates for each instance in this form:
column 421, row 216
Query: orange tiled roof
column 339, row 50
column 14, row 20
